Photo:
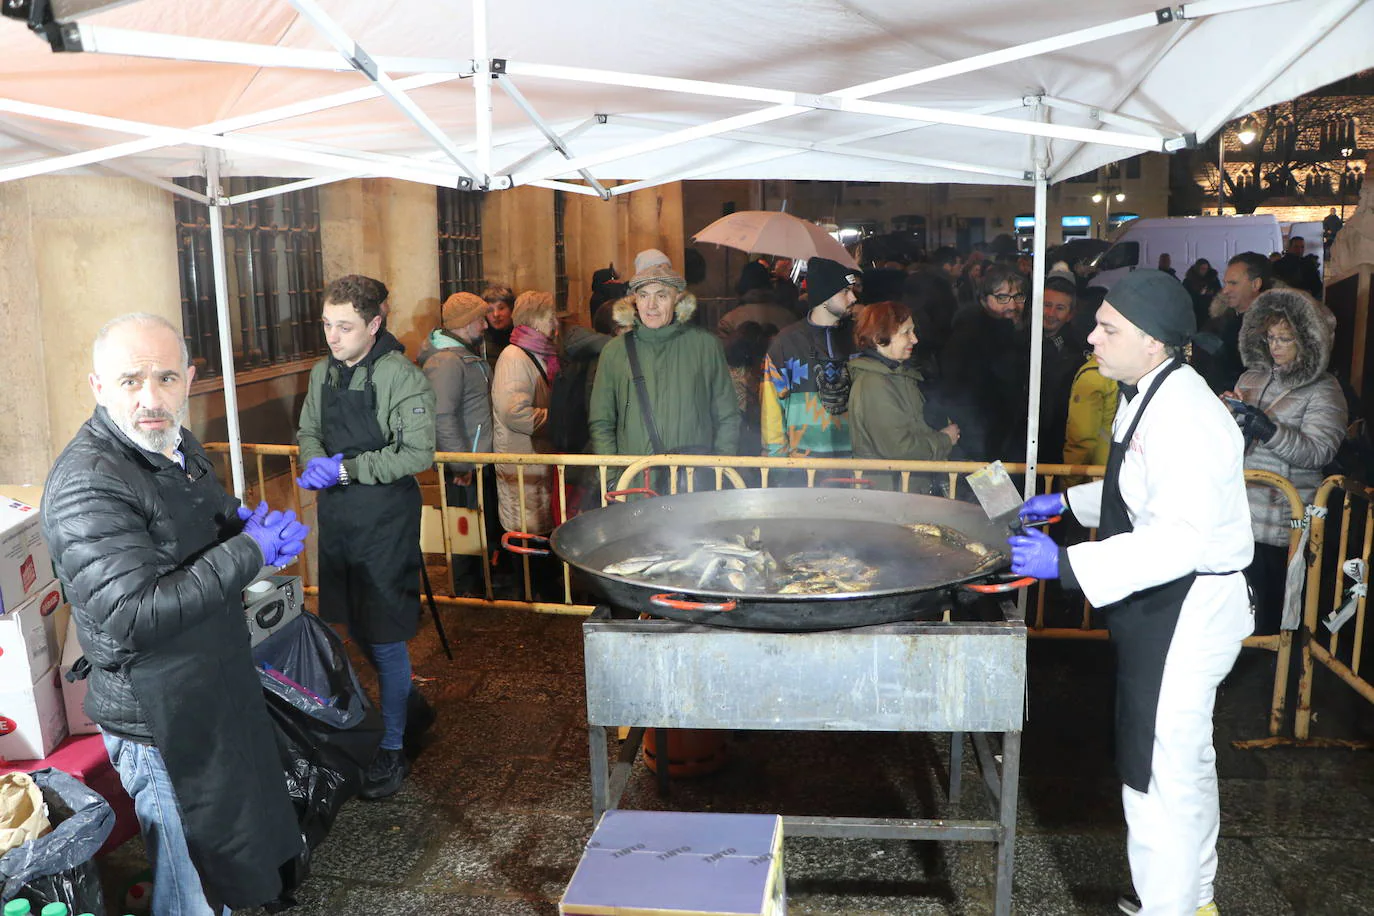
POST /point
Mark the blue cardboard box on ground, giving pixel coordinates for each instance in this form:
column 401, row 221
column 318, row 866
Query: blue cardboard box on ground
column 676, row 863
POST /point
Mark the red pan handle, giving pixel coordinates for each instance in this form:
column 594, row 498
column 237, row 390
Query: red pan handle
column 846, row 482
column 997, row 588
column 644, row 491
column 679, row 603
column 522, row 536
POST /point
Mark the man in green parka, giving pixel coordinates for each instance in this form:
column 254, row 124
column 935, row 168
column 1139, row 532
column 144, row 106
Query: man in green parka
column 691, row 406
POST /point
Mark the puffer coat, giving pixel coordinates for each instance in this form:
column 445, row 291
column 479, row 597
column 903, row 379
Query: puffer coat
column 136, row 577
column 1303, row 400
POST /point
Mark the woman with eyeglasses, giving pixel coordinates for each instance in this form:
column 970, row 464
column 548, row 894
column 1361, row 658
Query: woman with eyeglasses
column 1293, row 415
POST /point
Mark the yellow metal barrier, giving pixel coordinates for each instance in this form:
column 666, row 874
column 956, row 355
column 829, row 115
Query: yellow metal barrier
column 1340, row 651
column 612, row 473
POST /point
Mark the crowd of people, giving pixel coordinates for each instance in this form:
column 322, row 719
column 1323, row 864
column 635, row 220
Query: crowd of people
column 902, row 361
column 922, row 361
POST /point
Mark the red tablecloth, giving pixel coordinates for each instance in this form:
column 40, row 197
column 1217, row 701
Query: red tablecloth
column 84, row 757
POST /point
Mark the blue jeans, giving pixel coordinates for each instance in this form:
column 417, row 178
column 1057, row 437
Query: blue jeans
column 177, row 888
column 392, row 661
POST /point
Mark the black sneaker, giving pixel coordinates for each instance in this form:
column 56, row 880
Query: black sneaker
column 1128, row 904
column 385, row 774
column 420, row 716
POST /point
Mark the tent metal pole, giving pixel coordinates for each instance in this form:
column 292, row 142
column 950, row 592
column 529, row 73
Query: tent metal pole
column 1110, row 117
column 1318, row 27
column 23, row 133
column 1005, row 125
column 100, row 39
column 568, row 186
column 644, row 81
column 286, row 188
column 364, row 64
column 574, row 131
column 841, row 146
column 281, row 113
column 1036, row 307
column 481, row 87
column 714, row 168
column 558, row 143
column 1005, row 56
column 326, row 102
column 675, row 138
column 226, row 330
column 170, row 136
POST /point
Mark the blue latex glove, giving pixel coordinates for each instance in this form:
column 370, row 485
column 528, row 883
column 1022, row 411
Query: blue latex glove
column 259, row 513
column 280, row 537
column 1043, row 506
column 1034, row 554
column 320, row 473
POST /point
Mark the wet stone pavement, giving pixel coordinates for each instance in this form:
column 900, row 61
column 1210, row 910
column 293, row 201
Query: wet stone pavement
column 494, row 816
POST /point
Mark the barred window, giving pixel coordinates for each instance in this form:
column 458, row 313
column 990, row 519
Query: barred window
column 560, row 252
column 275, row 276
column 460, row 242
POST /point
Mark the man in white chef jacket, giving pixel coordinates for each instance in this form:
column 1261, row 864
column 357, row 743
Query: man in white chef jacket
column 1174, row 534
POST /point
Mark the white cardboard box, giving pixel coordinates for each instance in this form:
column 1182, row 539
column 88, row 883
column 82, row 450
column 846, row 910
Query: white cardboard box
column 33, row 720
column 74, row 692
column 25, row 564
column 24, row 648
column 55, row 629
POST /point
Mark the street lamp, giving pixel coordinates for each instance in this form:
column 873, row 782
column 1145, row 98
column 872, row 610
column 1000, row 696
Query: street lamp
column 1108, row 194
column 1346, row 153
column 1246, row 135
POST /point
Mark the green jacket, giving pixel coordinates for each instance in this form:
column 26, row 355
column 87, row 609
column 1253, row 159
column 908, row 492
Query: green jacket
column 405, row 410
column 887, row 416
column 690, row 390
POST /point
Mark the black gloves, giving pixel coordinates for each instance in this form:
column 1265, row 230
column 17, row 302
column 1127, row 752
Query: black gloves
column 1253, row 422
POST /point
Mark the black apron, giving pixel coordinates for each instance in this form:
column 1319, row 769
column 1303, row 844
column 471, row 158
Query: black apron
column 202, row 700
column 369, row 533
column 1142, row 626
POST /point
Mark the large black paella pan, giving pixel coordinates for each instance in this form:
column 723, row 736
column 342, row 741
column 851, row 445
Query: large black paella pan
column 830, row 558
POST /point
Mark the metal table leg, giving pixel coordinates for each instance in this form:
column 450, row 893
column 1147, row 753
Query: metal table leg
column 956, row 766
column 1006, row 847
column 601, row 776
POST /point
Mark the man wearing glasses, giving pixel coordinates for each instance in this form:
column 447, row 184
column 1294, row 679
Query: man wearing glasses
column 985, row 371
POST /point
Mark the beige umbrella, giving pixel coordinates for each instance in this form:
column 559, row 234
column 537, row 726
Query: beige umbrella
column 780, row 234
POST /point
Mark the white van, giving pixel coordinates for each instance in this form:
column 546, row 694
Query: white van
column 1184, row 239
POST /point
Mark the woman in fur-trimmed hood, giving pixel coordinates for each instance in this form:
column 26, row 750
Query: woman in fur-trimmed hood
column 1294, row 417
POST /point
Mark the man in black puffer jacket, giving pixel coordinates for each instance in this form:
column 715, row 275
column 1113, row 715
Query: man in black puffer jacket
column 154, row 556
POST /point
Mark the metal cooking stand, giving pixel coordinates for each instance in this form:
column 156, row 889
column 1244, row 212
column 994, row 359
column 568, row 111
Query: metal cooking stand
column 905, row 677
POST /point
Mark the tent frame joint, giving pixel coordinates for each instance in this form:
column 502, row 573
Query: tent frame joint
column 497, row 66
column 363, row 62
column 1167, row 14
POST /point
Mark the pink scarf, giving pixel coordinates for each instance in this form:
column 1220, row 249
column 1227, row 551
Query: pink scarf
column 528, row 338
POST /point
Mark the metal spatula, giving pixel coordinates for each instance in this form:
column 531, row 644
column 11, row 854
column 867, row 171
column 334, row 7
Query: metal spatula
column 996, row 494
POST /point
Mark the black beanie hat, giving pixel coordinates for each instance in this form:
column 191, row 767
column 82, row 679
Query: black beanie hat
column 825, row 278
column 1156, row 303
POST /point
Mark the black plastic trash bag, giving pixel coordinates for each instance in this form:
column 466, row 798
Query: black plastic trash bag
column 60, row 867
column 328, row 730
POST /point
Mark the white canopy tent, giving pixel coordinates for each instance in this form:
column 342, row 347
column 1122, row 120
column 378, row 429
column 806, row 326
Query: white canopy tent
column 528, row 92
